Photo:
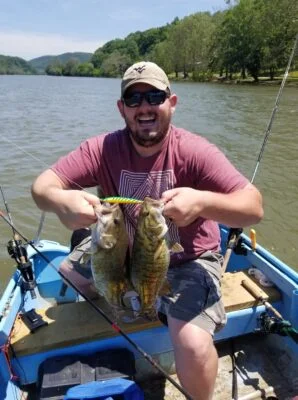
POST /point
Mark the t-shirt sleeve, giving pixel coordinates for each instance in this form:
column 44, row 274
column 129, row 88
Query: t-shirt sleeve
column 212, row 170
column 78, row 168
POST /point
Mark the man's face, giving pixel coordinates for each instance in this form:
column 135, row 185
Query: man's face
column 148, row 124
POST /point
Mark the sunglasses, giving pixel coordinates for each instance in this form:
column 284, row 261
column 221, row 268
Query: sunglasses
column 153, row 97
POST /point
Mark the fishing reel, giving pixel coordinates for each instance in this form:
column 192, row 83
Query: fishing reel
column 18, row 252
column 270, row 324
column 235, row 243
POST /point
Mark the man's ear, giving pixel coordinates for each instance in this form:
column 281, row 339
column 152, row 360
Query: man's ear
column 121, row 107
column 173, row 102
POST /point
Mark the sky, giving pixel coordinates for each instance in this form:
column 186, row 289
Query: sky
column 34, row 28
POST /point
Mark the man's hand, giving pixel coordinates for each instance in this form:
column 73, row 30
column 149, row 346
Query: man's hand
column 183, row 205
column 75, row 208
column 237, row 209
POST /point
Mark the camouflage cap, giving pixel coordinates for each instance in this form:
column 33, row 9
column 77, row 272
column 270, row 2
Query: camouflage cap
column 145, row 72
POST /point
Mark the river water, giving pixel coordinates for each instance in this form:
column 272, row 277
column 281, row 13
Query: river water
column 42, row 117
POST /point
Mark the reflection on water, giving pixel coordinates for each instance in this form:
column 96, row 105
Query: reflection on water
column 44, row 117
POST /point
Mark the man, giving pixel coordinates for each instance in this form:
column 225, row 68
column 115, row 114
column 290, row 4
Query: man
column 151, row 157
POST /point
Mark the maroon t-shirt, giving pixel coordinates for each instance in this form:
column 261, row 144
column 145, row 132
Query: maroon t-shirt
column 185, row 160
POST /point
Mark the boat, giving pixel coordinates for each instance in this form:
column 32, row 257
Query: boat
column 54, row 345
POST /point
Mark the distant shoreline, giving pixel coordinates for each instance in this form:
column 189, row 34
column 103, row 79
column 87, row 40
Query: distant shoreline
column 262, row 81
column 290, row 82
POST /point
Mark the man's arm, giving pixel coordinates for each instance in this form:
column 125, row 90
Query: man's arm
column 73, row 207
column 240, row 208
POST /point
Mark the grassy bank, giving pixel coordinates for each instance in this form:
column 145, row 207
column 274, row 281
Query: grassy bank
column 292, row 79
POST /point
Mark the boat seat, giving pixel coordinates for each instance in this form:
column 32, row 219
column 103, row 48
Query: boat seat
column 236, row 297
column 75, row 323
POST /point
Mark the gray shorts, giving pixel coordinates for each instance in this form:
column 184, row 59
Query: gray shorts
column 196, row 294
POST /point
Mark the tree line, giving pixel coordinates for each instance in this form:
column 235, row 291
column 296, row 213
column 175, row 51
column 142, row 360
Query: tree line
column 251, row 38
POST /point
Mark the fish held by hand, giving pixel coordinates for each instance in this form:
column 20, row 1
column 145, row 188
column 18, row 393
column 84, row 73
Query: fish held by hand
column 108, row 253
column 150, row 257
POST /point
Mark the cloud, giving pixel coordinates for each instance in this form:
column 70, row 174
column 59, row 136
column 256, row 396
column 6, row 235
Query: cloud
column 32, row 45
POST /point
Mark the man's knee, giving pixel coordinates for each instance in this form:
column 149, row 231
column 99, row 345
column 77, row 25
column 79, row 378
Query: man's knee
column 194, row 341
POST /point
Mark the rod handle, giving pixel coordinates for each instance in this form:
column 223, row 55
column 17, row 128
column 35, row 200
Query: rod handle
column 253, row 239
column 257, row 294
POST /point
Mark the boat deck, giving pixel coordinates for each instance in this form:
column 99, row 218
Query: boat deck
column 79, row 323
column 263, row 370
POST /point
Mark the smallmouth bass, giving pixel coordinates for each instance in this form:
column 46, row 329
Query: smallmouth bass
column 108, row 253
column 150, row 257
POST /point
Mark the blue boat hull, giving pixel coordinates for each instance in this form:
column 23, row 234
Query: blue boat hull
column 154, row 340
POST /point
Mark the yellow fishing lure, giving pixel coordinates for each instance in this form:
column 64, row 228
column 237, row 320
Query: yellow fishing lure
column 122, row 200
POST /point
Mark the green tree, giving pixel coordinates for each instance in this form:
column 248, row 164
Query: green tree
column 132, row 50
column 114, row 65
column 239, row 40
column 85, row 69
column 279, row 30
column 201, row 30
column 70, row 67
column 186, row 49
column 147, row 40
column 255, row 35
column 161, row 56
column 98, row 57
column 54, row 69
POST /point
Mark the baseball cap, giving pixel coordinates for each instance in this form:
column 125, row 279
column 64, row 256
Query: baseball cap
column 145, row 72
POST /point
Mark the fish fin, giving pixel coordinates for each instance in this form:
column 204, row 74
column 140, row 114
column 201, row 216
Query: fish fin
column 175, row 247
column 165, row 288
column 80, row 256
column 86, row 257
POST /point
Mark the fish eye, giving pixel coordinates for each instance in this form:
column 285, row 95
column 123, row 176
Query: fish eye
column 116, row 221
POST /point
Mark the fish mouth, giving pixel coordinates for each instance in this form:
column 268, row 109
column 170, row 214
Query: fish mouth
column 158, row 228
column 158, row 217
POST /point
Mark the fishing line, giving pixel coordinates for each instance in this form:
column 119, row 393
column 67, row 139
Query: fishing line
column 235, row 233
column 101, row 312
column 275, row 108
column 114, row 199
column 40, row 161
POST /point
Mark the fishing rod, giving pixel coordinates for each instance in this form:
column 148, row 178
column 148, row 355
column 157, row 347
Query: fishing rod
column 101, row 312
column 276, row 324
column 7, row 209
column 18, row 252
column 235, row 233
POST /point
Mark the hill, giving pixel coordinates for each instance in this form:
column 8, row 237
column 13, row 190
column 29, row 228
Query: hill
column 40, row 63
column 15, row 66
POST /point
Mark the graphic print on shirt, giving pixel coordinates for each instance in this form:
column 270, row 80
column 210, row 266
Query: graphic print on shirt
column 139, row 185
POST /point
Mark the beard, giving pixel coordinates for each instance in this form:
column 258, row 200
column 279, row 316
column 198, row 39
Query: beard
column 148, row 134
